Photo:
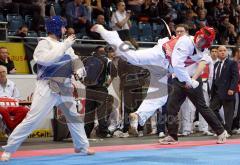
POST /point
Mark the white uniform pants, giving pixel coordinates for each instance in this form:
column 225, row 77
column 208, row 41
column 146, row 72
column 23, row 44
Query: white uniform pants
column 43, row 102
column 155, row 99
column 188, row 111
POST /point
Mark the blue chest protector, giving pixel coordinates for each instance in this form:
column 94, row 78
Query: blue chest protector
column 62, row 68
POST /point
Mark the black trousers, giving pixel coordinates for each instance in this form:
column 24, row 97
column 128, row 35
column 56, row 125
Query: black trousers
column 162, row 120
column 98, row 102
column 236, row 120
column 176, row 99
column 228, row 106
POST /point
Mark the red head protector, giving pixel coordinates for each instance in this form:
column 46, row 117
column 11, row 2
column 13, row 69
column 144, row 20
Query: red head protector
column 206, row 33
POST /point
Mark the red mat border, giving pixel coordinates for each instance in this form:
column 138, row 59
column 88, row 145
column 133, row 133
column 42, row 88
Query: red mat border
column 62, row 151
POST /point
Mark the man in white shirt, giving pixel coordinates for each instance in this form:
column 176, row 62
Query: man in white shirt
column 53, row 87
column 181, row 53
column 7, row 87
column 10, row 113
column 120, row 18
column 213, row 54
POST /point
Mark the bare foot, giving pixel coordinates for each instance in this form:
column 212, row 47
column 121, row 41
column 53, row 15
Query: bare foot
column 94, row 28
column 89, row 151
column 5, row 156
column 133, row 124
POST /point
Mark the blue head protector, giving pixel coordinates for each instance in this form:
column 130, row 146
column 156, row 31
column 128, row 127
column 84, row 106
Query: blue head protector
column 54, row 25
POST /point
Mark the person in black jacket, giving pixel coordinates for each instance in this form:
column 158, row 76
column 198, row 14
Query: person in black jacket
column 97, row 98
column 5, row 60
column 225, row 81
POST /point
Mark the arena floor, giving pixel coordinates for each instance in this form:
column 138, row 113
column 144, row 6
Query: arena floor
column 141, row 150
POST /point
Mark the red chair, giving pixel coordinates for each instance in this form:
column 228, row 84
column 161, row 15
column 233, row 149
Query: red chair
column 12, row 113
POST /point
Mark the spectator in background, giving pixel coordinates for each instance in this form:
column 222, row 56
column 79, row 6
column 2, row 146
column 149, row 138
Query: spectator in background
column 164, row 8
column 218, row 12
column 42, row 6
column 238, row 40
column 5, row 60
column 180, row 8
column 199, row 5
column 5, row 4
column 222, row 28
column 10, row 115
column 237, row 19
column 213, row 54
column 229, row 9
column 136, row 7
column 209, row 5
column 94, row 8
column 30, row 7
column 190, row 21
column 70, row 31
column 7, row 87
column 121, row 18
column 21, row 32
column 150, row 9
column 201, row 20
column 224, row 40
column 77, row 15
column 231, row 33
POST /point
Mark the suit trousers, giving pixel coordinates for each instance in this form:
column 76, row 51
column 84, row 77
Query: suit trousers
column 228, row 107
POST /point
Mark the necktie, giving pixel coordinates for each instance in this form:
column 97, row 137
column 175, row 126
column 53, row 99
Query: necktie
column 218, row 70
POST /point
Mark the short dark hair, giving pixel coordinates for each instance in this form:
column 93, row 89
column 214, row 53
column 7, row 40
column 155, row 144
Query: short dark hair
column 96, row 49
column 185, row 26
column 212, row 47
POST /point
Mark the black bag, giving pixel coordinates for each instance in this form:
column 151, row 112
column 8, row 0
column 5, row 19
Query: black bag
column 94, row 67
column 60, row 128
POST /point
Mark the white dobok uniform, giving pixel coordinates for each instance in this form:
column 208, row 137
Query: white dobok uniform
column 47, row 53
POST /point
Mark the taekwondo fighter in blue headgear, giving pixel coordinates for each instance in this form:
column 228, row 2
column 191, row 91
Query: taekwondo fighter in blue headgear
column 53, row 88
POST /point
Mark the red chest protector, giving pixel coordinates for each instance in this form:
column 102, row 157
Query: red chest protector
column 168, row 49
column 169, row 46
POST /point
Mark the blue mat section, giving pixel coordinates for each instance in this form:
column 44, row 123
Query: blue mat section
column 222, row 154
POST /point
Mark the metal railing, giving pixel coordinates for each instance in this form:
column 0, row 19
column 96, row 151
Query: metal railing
column 92, row 41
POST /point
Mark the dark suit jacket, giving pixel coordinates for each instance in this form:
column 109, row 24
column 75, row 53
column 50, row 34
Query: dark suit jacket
column 228, row 80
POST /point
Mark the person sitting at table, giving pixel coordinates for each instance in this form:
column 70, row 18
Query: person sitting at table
column 10, row 112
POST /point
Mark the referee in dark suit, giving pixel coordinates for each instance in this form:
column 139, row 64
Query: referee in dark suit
column 224, row 85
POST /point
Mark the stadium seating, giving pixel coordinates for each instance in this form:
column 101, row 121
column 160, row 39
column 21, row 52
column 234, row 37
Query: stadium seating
column 134, row 31
column 15, row 21
column 145, row 32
